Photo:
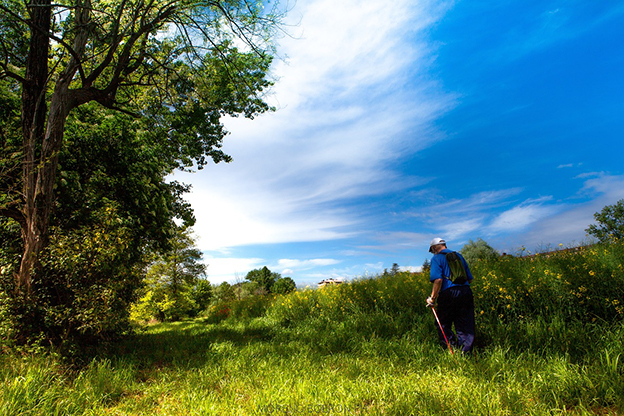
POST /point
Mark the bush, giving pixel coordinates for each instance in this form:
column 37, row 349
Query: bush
column 217, row 313
column 478, row 250
column 83, row 290
column 397, row 298
column 201, row 295
column 251, row 306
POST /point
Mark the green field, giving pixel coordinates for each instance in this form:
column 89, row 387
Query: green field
column 550, row 341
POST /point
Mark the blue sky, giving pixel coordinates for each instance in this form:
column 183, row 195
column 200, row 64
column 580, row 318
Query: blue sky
column 399, row 122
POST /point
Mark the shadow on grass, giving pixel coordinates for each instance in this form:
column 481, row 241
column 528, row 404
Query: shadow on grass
column 187, row 344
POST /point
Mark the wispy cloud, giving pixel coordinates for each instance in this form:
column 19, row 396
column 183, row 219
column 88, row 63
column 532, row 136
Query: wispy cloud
column 358, row 97
column 302, row 265
column 353, row 97
column 531, row 222
column 569, row 224
column 522, row 216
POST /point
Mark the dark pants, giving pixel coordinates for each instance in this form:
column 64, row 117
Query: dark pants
column 456, row 306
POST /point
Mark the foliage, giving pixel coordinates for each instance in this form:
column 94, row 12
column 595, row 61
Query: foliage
column 162, row 76
column 242, row 309
column 114, row 157
column 284, row 285
column 478, row 250
column 218, row 312
column 201, row 294
column 264, row 277
column 246, row 289
column 585, row 283
column 223, row 293
column 85, row 286
column 426, row 267
column 393, row 271
column 610, row 223
column 111, row 195
column 171, row 279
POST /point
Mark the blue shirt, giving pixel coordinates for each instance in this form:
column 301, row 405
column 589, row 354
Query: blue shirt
column 440, row 270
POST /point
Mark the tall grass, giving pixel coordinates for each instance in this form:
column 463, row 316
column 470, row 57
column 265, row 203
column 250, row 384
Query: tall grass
column 551, row 341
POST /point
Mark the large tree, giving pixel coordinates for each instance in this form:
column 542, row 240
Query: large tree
column 174, row 61
column 114, row 210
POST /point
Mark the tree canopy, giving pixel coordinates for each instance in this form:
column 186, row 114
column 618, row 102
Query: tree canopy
column 264, row 277
column 100, row 101
column 478, row 250
column 284, row 285
column 610, row 223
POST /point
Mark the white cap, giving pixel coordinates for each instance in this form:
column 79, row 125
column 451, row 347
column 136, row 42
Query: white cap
column 435, row 242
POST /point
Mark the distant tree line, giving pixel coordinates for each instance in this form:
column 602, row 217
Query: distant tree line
column 176, row 286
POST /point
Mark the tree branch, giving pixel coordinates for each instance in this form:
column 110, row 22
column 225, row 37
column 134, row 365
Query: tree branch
column 52, row 36
column 6, row 72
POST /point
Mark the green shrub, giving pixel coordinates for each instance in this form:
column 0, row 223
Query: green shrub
column 250, row 307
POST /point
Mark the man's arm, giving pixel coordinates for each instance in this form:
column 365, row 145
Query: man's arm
column 437, row 285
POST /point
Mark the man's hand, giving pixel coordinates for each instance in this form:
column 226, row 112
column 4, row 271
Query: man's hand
column 430, row 301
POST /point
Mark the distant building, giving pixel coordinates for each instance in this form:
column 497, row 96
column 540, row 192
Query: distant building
column 331, row 281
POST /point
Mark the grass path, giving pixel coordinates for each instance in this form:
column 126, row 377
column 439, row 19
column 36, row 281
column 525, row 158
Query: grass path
column 234, row 368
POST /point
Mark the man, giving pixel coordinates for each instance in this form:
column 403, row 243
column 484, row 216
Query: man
column 451, row 279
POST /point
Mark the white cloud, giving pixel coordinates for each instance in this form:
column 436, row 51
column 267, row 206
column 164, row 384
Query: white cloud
column 532, row 222
column 480, row 201
column 520, row 217
column 348, row 108
column 455, row 230
column 608, row 187
column 230, row 269
column 226, row 220
column 395, row 241
column 306, row 264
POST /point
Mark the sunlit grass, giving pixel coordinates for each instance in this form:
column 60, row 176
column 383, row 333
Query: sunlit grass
column 367, row 347
column 196, row 368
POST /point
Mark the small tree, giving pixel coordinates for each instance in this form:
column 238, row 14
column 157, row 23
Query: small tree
column 426, row 267
column 610, row 223
column 284, row 285
column 201, row 294
column 264, row 277
column 478, row 250
column 223, row 293
column 172, row 277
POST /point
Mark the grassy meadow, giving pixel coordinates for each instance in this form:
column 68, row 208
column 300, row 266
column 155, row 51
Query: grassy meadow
column 550, row 334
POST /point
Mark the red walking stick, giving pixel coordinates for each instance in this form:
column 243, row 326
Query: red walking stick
column 442, row 329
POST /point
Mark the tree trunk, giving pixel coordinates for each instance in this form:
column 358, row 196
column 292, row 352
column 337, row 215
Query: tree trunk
column 39, row 178
column 41, row 196
column 33, row 127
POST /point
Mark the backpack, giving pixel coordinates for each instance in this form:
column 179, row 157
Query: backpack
column 458, row 276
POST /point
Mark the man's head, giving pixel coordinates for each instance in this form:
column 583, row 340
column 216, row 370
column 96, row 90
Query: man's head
column 437, row 244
